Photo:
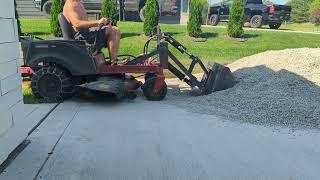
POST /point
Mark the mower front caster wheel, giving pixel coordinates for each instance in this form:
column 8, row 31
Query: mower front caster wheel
column 148, row 90
column 131, row 95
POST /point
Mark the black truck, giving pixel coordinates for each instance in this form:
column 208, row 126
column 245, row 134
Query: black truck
column 255, row 12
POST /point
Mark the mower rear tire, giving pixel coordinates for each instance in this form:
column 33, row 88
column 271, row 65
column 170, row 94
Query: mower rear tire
column 52, row 83
column 148, row 90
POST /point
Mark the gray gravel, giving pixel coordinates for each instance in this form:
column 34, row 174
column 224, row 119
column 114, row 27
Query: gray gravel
column 276, row 88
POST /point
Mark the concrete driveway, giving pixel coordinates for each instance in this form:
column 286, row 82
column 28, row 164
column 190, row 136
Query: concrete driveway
column 139, row 139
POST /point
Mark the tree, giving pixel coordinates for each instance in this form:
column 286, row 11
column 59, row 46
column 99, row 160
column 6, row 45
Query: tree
column 315, row 12
column 151, row 18
column 195, row 18
column 109, row 10
column 300, row 10
column 56, row 9
column 314, row 6
column 235, row 24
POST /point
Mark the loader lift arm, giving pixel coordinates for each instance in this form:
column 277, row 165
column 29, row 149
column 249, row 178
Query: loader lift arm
column 192, row 81
column 215, row 78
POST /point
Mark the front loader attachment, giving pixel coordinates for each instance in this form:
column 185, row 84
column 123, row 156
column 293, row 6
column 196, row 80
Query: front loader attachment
column 216, row 77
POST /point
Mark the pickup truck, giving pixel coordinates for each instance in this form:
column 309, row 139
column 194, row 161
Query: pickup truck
column 134, row 7
column 255, row 12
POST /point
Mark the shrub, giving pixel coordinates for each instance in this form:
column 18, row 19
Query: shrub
column 235, row 24
column 195, row 18
column 314, row 6
column 151, row 17
column 56, row 8
column 109, row 10
column 315, row 17
column 315, row 12
column 300, row 10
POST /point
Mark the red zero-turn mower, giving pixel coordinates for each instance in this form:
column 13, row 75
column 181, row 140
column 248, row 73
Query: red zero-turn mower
column 58, row 68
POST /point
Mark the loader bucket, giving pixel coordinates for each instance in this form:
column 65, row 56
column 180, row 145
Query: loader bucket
column 218, row 78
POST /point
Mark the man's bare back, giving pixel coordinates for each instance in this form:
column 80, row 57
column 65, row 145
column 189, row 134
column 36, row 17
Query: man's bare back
column 90, row 30
column 69, row 10
column 76, row 14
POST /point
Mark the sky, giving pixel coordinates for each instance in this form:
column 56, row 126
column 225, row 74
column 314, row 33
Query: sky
column 274, row 1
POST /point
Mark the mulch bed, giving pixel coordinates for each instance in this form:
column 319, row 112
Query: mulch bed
column 195, row 39
column 226, row 37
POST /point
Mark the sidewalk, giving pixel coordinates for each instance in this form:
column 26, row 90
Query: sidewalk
column 152, row 140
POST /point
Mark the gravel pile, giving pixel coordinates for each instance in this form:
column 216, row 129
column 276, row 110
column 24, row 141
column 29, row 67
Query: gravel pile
column 276, row 88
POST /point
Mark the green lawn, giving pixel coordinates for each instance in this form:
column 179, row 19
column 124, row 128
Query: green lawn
column 306, row 27
column 217, row 48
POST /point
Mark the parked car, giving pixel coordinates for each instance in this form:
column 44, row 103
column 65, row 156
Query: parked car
column 255, row 12
column 136, row 7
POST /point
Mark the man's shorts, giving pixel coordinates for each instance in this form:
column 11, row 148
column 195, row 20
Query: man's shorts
column 94, row 35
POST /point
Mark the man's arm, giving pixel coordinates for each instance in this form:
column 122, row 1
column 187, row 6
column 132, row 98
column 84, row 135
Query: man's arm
column 78, row 23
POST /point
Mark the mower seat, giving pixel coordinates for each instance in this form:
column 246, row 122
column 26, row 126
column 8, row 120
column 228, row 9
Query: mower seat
column 66, row 27
column 67, row 33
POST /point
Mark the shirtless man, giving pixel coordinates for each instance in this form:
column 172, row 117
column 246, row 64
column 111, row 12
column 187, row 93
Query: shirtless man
column 83, row 29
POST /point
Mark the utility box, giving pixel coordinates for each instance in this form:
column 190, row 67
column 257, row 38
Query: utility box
column 184, row 14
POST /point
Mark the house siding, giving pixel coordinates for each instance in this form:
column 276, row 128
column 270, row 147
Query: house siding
column 15, row 116
column 10, row 80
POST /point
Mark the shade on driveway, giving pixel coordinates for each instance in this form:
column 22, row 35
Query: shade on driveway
column 151, row 140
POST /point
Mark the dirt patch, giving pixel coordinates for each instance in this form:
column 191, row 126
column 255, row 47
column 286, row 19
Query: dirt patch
column 226, row 37
column 26, row 84
column 195, row 39
column 276, row 88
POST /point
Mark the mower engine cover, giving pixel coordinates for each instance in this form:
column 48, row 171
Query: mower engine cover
column 219, row 78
